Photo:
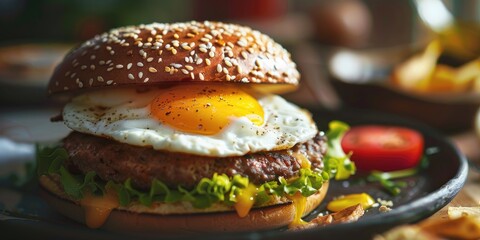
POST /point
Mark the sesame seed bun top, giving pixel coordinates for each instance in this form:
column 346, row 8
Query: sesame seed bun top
column 156, row 54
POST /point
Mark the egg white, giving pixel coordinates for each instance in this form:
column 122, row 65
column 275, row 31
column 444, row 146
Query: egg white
column 124, row 115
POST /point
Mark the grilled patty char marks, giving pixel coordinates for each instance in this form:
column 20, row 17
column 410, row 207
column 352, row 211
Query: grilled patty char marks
column 116, row 161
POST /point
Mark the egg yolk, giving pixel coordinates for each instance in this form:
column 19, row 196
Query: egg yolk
column 204, row 109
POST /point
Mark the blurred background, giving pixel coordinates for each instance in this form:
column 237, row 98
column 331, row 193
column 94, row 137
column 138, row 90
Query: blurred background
column 416, row 59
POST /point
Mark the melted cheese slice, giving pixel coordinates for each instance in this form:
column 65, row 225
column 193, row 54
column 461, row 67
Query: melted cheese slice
column 245, row 200
column 304, row 162
column 98, row 208
column 300, row 203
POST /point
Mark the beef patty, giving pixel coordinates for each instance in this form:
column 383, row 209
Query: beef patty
column 116, row 161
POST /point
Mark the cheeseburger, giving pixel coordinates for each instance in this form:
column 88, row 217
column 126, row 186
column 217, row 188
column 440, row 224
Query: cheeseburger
column 176, row 127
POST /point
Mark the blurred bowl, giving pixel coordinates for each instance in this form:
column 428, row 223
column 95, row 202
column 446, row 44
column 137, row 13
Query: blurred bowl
column 25, row 70
column 361, row 78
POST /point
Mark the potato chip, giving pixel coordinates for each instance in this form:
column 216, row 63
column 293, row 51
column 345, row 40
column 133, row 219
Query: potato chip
column 457, row 212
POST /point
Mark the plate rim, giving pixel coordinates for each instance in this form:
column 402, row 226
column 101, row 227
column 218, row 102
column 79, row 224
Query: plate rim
column 447, row 192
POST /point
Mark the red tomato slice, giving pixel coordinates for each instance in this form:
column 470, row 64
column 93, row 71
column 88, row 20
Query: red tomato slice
column 384, row 148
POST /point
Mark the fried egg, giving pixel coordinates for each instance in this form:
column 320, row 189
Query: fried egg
column 207, row 120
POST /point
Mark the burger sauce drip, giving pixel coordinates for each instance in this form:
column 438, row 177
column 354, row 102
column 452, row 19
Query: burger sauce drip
column 98, row 208
column 299, row 203
column 245, row 200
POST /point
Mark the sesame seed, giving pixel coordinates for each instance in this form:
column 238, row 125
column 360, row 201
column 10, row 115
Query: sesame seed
column 90, row 81
column 176, row 65
column 140, row 64
column 239, row 69
column 200, row 75
column 152, row 69
column 112, row 52
column 167, row 69
column 100, row 79
column 146, row 80
column 242, row 42
column 225, row 70
column 186, row 47
column 192, row 75
column 207, row 61
column 199, row 61
column 184, row 71
column 67, row 73
column 73, row 75
column 108, row 48
column 92, row 57
column 211, row 54
column 129, row 66
column 192, row 53
column 190, row 35
column 119, row 66
column 245, row 80
column 205, row 40
column 174, row 51
column 219, row 68
column 257, row 63
column 131, row 76
column 140, row 74
column 109, row 69
column 176, row 36
column 204, row 50
column 149, row 59
column 159, row 60
column 228, row 63
column 188, row 67
column 228, row 77
column 109, row 82
column 244, row 55
column 92, row 67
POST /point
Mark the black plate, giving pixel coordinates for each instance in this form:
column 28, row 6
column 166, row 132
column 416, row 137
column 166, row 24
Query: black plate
column 426, row 193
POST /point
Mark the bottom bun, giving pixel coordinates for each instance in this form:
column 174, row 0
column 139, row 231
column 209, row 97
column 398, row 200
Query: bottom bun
column 120, row 220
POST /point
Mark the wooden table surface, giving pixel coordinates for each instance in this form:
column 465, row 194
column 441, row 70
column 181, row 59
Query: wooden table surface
column 469, row 196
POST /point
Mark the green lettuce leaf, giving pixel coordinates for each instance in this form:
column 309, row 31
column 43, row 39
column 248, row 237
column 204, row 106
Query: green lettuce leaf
column 337, row 163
